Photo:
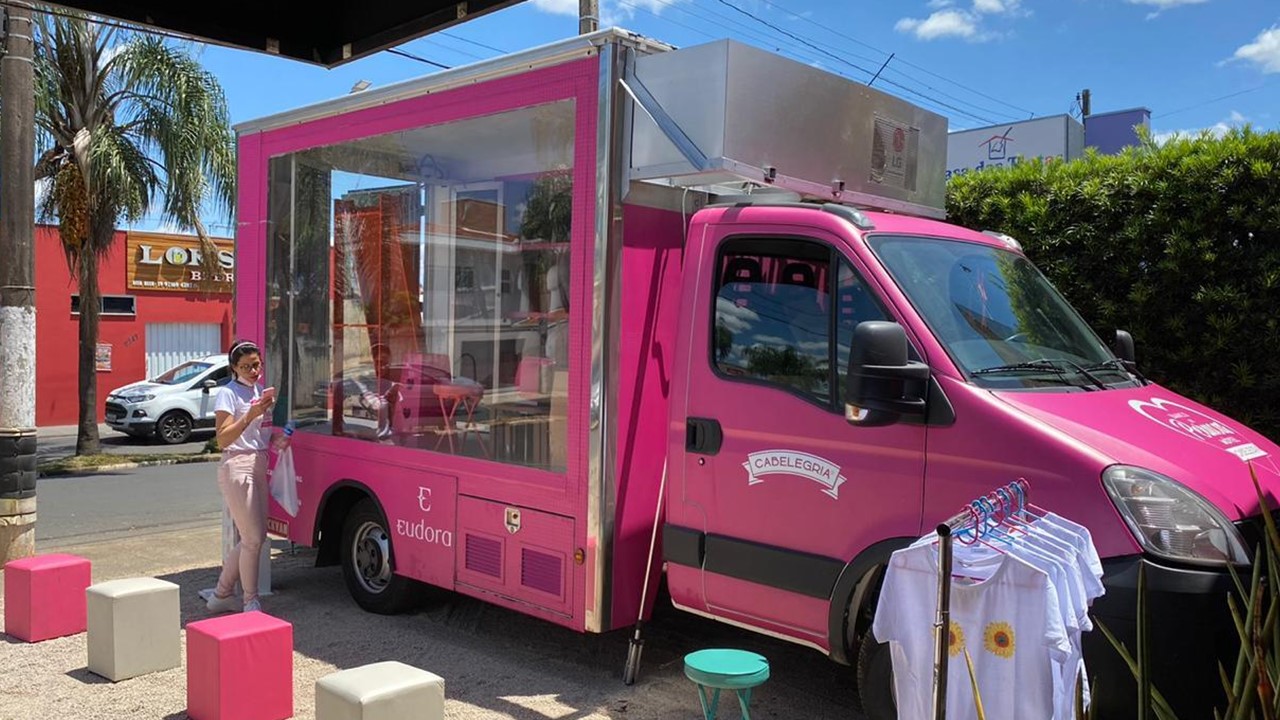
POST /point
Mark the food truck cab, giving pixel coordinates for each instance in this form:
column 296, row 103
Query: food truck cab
column 559, row 324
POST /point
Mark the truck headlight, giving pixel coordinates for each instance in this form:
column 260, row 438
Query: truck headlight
column 1170, row 520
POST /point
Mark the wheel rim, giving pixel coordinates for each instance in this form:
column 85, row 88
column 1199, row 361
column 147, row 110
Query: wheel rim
column 371, row 554
column 173, row 428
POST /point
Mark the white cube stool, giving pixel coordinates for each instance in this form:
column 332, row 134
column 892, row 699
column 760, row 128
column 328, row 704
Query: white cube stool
column 381, row 691
column 134, row 627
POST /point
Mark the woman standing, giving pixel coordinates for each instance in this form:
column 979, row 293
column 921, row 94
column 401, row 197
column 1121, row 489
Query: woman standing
column 238, row 410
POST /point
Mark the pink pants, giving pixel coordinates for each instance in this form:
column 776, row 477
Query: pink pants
column 242, row 477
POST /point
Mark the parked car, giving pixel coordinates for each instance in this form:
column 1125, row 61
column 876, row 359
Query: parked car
column 171, row 405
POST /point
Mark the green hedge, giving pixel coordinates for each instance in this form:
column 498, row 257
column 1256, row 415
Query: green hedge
column 1177, row 243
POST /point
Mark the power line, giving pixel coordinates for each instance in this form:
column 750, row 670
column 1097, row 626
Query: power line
column 869, row 73
column 411, row 56
column 622, row 3
column 877, row 63
column 442, row 46
column 871, row 61
column 446, row 33
column 771, row 42
column 1228, row 96
column 900, row 60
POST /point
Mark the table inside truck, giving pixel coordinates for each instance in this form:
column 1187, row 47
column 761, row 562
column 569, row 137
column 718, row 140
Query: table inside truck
column 454, row 397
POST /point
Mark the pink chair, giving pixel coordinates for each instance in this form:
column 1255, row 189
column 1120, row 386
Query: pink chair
column 417, row 409
column 44, row 596
column 240, row 667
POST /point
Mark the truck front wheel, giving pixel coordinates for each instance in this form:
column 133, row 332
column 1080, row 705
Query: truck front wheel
column 366, row 563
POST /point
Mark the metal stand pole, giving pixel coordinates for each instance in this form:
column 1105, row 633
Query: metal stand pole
column 942, row 634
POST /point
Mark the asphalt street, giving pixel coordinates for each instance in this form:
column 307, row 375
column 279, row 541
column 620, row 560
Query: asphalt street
column 61, row 441
column 124, row 502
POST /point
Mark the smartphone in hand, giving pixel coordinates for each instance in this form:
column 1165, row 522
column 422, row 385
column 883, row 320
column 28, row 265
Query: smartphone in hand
column 269, row 395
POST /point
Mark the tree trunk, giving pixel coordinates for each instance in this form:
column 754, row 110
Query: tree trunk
column 90, row 305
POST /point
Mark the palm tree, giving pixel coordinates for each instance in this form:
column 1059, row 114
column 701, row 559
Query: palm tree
column 123, row 118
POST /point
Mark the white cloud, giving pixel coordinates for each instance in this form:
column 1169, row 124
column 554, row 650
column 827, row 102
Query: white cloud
column 1162, row 5
column 1264, row 51
column 557, row 7
column 995, row 7
column 941, row 24
column 1219, row 129
column 610, row 10
column 950, row 20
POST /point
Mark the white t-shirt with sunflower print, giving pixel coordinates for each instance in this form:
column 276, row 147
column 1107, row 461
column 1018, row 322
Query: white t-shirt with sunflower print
column 1009, row 625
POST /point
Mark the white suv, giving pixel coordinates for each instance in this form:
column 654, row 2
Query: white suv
column 172, row 405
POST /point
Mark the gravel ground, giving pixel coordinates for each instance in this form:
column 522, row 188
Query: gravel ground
column 496, row 663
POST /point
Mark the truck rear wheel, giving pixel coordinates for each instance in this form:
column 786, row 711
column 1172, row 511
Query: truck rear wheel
column 875, row 680
column 366, row 563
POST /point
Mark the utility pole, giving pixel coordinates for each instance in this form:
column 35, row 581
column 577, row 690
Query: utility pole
column 17, row 287
column 1086, row 103
column 588, row 16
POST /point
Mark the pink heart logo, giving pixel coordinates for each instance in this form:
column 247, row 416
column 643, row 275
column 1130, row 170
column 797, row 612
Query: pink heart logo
column 1195, row 424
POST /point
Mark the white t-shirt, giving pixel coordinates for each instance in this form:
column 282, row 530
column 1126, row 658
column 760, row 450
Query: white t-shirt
column 1063, row 575
column 235, row 398
column 1011, row 624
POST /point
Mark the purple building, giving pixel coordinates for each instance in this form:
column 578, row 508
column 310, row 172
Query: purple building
column 1111, row 132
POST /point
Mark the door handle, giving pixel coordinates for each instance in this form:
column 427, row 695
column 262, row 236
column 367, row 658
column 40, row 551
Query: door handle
column 703, row 436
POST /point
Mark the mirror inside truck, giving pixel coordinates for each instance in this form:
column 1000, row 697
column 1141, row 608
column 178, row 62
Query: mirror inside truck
column 884, row 384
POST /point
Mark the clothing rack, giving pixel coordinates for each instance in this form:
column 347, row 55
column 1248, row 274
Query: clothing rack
column 973, row 517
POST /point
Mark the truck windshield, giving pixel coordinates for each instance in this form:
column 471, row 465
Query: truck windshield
column 997, row 315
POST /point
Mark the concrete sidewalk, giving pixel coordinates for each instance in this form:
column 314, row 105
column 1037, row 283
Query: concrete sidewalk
column 497, row 664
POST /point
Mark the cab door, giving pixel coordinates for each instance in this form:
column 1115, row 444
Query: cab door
column 778, row 492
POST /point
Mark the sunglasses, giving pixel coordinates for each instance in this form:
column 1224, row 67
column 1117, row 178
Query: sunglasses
column 250, row 367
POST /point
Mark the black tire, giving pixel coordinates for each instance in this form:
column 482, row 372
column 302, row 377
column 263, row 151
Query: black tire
column 366, row 563
column 173, row 427
column 875, row 680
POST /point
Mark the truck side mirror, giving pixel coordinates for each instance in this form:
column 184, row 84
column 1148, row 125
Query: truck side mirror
column 208, row 385
column 1123, row 347
column 883, row 385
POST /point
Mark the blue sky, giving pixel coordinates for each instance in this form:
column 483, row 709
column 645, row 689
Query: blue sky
column 1194, row 63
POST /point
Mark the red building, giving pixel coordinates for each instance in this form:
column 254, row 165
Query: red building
column 154, row 315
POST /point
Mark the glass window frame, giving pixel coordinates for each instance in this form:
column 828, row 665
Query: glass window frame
column 573, row 244
column 960, row 367
column 834, row 257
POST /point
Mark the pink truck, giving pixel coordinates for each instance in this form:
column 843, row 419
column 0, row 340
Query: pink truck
column 561, row 324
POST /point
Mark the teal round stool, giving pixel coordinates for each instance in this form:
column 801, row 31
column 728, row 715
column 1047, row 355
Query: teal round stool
column 723, row 669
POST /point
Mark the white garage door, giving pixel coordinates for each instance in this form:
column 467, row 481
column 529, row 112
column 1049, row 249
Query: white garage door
column 171, row 344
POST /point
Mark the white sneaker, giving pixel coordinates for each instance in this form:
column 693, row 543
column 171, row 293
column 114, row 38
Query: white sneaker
column 231, row 603
column 253, row 606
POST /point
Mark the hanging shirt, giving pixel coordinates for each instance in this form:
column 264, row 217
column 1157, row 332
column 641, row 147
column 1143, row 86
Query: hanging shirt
column 1059, row 564
column 1083, row 540
column 1011, row 623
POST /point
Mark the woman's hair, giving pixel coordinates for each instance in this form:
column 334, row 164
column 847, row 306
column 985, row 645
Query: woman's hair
column 238, row 350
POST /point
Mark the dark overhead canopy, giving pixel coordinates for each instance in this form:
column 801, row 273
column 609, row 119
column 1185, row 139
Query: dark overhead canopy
column 303, row 31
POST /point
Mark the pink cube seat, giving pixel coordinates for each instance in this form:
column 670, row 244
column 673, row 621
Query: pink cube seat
column 44, row 596
column 240, row 667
